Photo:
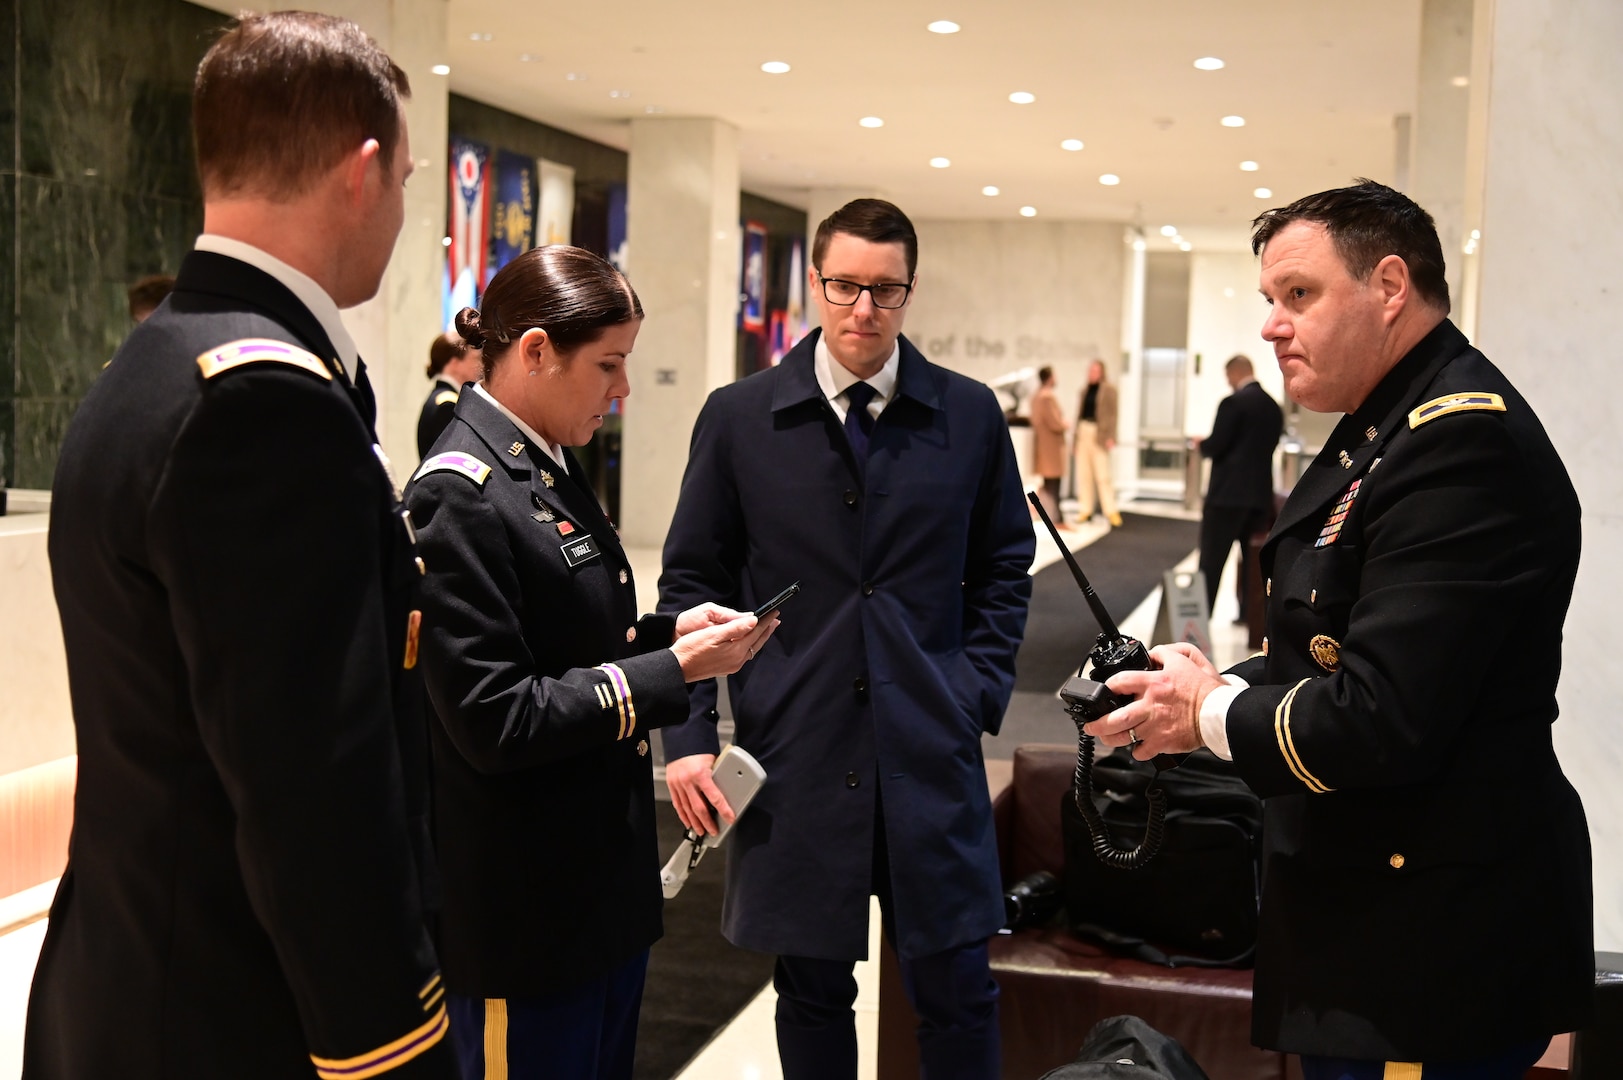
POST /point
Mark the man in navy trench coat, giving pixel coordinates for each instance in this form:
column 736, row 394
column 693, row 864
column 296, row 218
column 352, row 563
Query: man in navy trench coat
column 902, row 517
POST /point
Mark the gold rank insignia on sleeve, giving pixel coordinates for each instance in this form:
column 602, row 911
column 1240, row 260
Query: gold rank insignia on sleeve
column 616, row 692
column 259, row 351
column 445, row 397
column 1454, row 403
column 457, row 462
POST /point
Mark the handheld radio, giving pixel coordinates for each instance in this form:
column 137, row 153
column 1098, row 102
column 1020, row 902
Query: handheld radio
column 1088, row 699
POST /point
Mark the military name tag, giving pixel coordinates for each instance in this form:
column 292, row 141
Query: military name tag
column 580, row 551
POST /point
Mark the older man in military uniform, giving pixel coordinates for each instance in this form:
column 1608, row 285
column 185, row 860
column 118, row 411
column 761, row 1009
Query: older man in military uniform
column 1426, row 906
column 244, row 896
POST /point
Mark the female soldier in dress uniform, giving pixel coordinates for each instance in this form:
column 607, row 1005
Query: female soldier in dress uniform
column 546, row 685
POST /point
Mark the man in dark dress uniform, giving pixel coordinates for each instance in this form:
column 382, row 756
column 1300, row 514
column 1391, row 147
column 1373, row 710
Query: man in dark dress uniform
column 1427, row 891
column 452, row 365
column 1240, row 493
column 244, row 895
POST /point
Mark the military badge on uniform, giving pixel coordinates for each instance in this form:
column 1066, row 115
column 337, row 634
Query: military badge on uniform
column 1326, row 651
column 457, row 462
column 546, row 478
column 1338, row 516
column 544, row 516
column 414, row 626
column 516, row 449
column 257, row 351
column 1454, row 403
column 565, row 528
column 1345, row 459
column 1370, row 433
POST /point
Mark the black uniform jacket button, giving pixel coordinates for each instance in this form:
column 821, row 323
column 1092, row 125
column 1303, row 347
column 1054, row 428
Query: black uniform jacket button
column 867, row 588
column 850, row 498
column 859, row 684
column 852, row 779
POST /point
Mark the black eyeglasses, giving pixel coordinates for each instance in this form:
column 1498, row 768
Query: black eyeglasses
column 846, row 293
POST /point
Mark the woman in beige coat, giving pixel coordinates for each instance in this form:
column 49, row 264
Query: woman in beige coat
column 1095, row 438
column 1049, row 428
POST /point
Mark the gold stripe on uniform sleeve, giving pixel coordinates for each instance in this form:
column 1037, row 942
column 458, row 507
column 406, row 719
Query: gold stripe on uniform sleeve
column 1401, row 1070
column 495, row 1039
column 428, row 986
column 385, row 1058
column 617, row 685
column 434, row 999
column 623, row 686
column 1287, row 745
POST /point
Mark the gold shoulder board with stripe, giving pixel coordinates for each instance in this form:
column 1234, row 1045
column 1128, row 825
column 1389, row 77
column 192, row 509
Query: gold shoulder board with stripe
column 1454, row 403
column 445, row 397
column 259, row 351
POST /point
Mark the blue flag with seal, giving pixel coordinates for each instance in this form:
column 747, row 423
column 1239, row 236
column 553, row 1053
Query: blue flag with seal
column 515, row 207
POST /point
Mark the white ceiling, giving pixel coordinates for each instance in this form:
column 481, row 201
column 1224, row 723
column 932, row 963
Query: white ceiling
column 1318, row 82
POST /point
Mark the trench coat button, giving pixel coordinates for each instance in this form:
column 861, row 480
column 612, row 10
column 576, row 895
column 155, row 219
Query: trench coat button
column 850, row 497
column 712, row 715
column 624, row 577
column 867, row 588
column 859, row 684
column 1396, row 861
column 852, row 780
column 631, row 634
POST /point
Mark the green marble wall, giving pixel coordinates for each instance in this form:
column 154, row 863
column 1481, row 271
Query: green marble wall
column 97, row 189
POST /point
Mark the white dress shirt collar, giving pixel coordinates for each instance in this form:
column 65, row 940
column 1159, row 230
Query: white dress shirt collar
column 834, row 378
column 556, row 453
column 301, row 285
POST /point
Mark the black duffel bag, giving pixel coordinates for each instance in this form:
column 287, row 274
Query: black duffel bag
column 1126, row 1048
column 1194, row 903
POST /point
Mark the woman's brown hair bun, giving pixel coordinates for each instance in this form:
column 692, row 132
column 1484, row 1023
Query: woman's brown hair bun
column 467, row 324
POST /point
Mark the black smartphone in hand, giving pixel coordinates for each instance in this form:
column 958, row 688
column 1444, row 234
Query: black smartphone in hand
column 777, row 601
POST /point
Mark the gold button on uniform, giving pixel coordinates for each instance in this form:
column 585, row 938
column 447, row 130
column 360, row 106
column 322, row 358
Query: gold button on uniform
column 631, row 633
column 642, row 747
column 624, row 577
column 1396, row 861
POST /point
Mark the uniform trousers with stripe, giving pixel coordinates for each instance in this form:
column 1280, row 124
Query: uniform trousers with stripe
column 1511, row 1064
column 587, row 1032
column 952, row 992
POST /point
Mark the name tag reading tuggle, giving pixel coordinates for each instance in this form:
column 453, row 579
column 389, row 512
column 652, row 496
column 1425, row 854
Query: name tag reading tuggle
column 580, row 551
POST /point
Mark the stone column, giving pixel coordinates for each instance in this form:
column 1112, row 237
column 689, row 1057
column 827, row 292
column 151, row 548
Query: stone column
column 1550, row 149
column 1437, row 149
column 683, row 245
column 1128, row 370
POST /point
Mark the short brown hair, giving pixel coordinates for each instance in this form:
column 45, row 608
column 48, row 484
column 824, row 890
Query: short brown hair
column 1367, row 222
column 873, row 220
column 281, row 98
column 145, row 295
column 446, row 347
column 569, row 292
column 1240, row 362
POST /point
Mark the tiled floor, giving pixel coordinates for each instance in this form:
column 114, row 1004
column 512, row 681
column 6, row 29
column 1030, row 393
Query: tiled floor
column 746, row 1049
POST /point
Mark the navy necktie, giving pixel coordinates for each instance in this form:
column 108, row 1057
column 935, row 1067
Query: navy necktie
column 858, row 421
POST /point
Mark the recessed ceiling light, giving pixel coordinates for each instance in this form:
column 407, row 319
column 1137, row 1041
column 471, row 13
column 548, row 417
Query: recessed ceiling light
column 476, row 36
column 1460, row 80
column 1022, row 97
column 871, row 121
column 652, row 109
column 940, row 163
column 1233, row 121
column 1263, row 193
column 619, row 93
column 1109, row 179
column 1248, row 166
column 527, row 58
column 1070, row 144
column 775, row 67
column 441, row 69
column 1184, row 245
column 943, row 26
column 1169, row 230
column 990, row 189
column 1209, row 63
column 1028, row 211
column 1138, row 244
column 576, row 76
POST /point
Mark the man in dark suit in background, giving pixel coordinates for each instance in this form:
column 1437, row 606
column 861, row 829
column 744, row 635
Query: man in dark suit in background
column 1240, row 493
column 887, row 487
column 245, row 892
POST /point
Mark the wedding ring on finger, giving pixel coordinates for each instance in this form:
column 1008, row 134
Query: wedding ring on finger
column 1132, row 737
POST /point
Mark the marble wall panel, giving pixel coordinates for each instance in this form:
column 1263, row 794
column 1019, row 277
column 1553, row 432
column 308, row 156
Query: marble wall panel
column 8, row 86
column 40, row 425
column 8, row 306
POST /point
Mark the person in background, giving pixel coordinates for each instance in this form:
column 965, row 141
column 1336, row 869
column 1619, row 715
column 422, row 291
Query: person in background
column 145, row 295
column 1240, row 493
column 1095, row 439
column 250, row 874
column 452, row 365
column 1398, row 727
column 545, row 686
column 1048, row 428
column 887, row 487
